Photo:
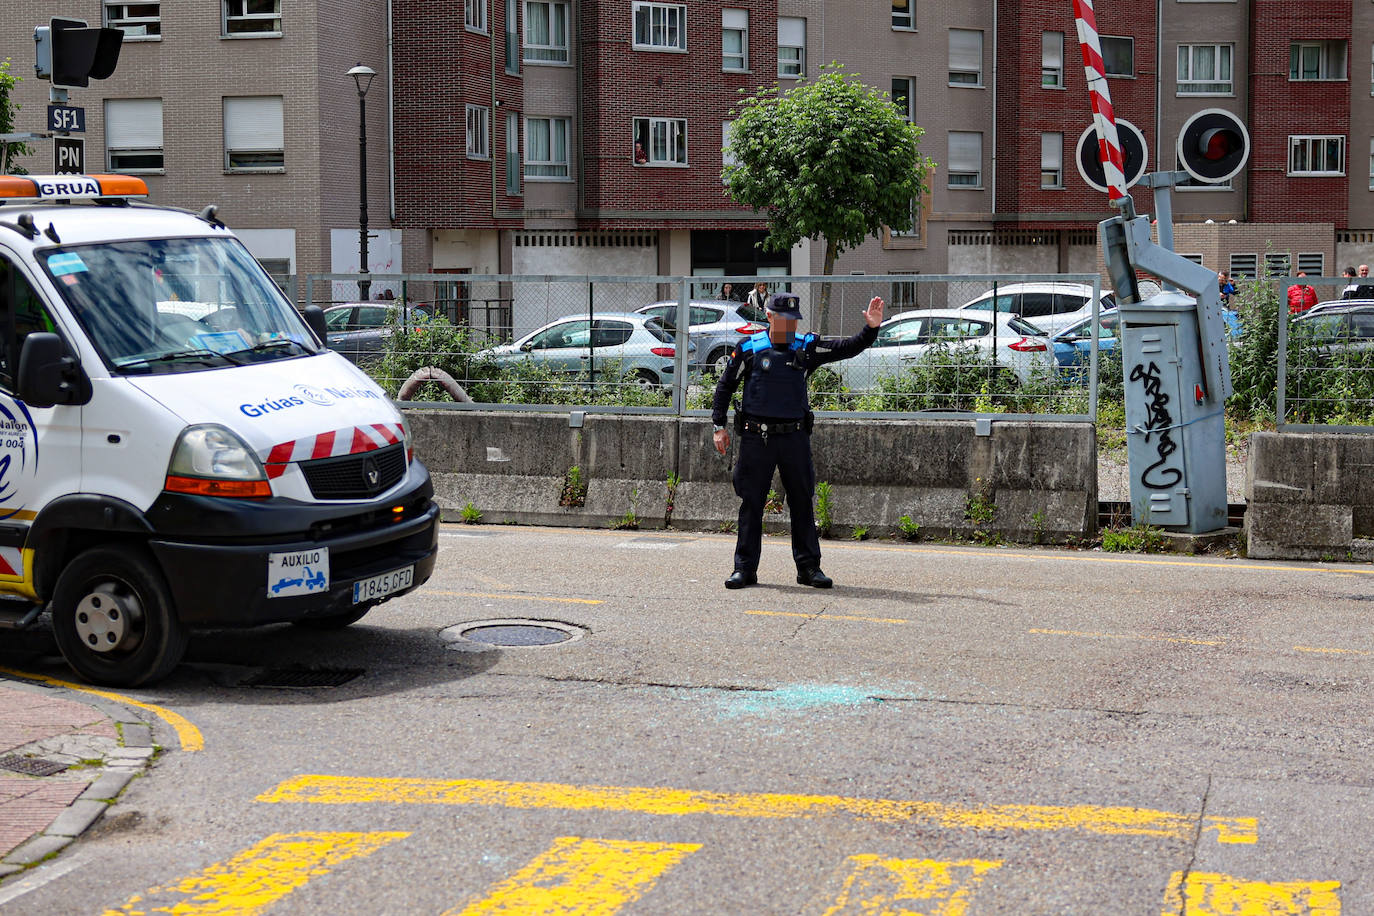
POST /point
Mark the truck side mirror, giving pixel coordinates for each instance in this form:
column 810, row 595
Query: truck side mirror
column 314, row 319
column 48, row 374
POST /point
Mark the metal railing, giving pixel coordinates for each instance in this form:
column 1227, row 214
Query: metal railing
column 551, row 342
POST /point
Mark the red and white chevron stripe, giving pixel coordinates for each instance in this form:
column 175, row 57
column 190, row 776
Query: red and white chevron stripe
column 347, row 441
column 1104, row 118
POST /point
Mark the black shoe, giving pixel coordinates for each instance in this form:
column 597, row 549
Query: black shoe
column 740, row 579
column 814, row 578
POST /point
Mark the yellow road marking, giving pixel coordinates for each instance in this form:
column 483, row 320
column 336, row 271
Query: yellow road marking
column 515, row 595
column 1192, row 642
column 829, row 616
column 258, row 877
column 1329, row 651
column 908, row 887
column 353, row 790
column 580, row 877
column 191, row 738
column 1213, row 894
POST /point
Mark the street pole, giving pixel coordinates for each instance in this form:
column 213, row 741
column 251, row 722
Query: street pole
column 362, row 77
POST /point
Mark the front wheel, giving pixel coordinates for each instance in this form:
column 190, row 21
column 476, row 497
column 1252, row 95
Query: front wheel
column 113, row 617
column 645, row 379
column 718, row 360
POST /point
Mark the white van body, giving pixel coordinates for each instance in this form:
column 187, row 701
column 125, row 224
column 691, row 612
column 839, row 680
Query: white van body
column 178, row 449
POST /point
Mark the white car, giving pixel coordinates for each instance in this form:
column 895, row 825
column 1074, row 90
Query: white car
column 634, row 344
column 906, row 337
column 1049, row 306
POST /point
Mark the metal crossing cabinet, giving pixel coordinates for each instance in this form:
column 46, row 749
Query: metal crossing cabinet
column 1174, row 432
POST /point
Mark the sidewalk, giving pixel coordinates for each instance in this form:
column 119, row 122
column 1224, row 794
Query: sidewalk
column 63, row 757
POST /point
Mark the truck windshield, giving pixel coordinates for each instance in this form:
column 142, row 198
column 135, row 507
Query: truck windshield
column 177, row 305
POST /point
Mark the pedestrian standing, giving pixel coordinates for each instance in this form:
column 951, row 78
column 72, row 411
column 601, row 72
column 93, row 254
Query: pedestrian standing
column 1225, row 288
column 774, row 423
column 1301, row 297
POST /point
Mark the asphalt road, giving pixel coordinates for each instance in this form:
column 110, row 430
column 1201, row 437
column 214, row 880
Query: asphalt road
column 951, row 730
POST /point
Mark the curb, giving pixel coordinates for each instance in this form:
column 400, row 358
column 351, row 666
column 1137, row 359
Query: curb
column 119, row 766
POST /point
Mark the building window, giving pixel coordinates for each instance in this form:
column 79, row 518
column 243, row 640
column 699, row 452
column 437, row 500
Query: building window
column 726, row 159
column 791, row 47
column 902, row 16
column 252, row 18
column 1312, row 263
column 1244, row 266
column 1052, row 60
column 546, row 148
column 475, row 15
column 479, row 132
column 1051, row 160
column 965, row 57
column 138, row 20
column 1316, row 155
column 965, row 159
column 253, row 134
column 1316, row 60
column 513, row 36
column 914, row 230
column 513, row 155
column 546, row 31
column 734, row 39
column 133, row 135
column 660, row 141
column 903, row 292
column 1118, row 56
column 660, row 26
column 904, row 97
column 1204, row 70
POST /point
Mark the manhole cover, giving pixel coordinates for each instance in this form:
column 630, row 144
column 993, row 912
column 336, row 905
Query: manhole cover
column 290, row 678
column 31, row 766
column 511, row 633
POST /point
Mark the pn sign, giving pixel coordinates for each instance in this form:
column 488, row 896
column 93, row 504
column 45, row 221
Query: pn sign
column 1213, row 145
column 1134, row 155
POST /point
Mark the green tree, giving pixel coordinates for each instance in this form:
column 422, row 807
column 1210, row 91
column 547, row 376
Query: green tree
column 8, row 109
column 832, row 159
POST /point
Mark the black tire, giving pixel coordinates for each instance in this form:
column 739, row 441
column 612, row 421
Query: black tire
column 645, row 379
column 715, row 363
column 335, row 621
column 113, row 617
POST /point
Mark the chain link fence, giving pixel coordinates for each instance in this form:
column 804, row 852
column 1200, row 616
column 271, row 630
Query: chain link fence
column 951, row 344
column 1321, row 331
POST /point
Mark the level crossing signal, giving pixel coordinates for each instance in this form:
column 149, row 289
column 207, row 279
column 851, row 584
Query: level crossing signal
column 1213, row 145
column 70, row 54
column 1135, row 155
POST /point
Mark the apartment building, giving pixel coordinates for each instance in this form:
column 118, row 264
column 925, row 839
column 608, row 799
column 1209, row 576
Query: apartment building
column 585, row 136
column 245, row 104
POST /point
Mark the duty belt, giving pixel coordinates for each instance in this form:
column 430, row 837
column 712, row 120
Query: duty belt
column 774, row 429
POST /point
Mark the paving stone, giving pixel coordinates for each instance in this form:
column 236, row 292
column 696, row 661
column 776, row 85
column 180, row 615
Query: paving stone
column 37, row 849
column 110, row 784
column 9, row 869
column 130, row 753
column 138, row 734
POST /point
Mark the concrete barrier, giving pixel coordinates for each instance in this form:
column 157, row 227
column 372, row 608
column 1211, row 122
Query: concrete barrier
column 1309, row 496
column 1023, row 481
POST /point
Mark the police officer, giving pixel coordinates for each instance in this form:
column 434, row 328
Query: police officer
column 774, row 422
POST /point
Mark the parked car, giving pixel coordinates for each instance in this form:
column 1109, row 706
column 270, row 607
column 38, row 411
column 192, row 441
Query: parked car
column 1336, row 330
column 714, row 326
column 358, row 330
column 906, row 337
column 1073, row 345
column 1049, row 306
column 637, row 344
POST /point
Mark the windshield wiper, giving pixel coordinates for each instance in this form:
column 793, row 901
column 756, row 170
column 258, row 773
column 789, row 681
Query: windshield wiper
column 204, row 357
column 277, row 343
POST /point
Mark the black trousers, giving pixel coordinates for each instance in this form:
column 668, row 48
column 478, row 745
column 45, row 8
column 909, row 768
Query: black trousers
column 790, row 454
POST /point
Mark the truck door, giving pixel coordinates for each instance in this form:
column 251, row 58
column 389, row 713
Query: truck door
column 40, row 448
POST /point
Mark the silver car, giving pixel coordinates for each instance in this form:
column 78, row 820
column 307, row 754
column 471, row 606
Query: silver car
column 714, row 326
column 1050, row 306
column 636, row 344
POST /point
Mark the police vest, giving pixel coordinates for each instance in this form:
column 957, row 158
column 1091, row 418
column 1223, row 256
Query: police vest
column 776, row 384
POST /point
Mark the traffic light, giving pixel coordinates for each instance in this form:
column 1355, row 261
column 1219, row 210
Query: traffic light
column 1213, row 145
column 1135, row 153
column 71, row 55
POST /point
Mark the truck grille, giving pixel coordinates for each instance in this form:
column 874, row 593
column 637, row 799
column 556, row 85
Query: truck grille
column 359, row 476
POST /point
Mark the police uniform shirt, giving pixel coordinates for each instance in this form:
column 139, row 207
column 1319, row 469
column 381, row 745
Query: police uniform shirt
column 775, row 377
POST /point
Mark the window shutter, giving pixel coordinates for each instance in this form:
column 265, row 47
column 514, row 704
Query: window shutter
column 253, row 123
column 791, row 31
column 734, row 19
column 965, row 151
column 1051, row 151
column 133, row 123
column 1051, row 50
column 965, row 50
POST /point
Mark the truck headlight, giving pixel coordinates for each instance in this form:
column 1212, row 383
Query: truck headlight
column 210, row 460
